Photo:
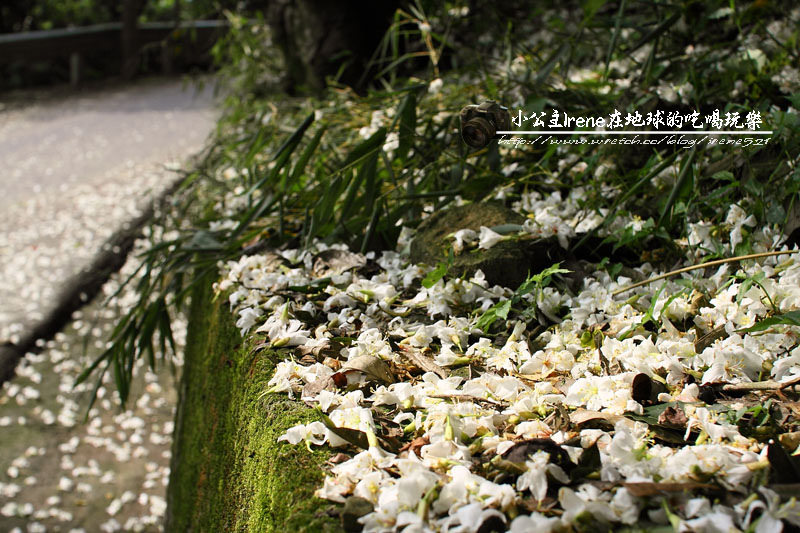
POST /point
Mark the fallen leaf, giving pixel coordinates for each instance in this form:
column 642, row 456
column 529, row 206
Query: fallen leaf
column 706, row 340
column 335, row 261
column 330, row 362
column 645, row 389
column 422, row 361
column 673, row 417
column 520, row 451
column 415, row 445
column 492, row 524
column 307, row 360
column 329, row 348
column 785, row 468
column 315, row 387
column 790, row 441
column 374, row 368
column 354, row 508
column 588, row 463
column 559, row 419
column 582, row 417
column 641, row 387
column 786, row 490
column 339, row 458
column 531, row 505
column 353, row 436
column 339, row 379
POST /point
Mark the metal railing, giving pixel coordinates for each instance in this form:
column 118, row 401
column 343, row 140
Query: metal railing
column 198, row 36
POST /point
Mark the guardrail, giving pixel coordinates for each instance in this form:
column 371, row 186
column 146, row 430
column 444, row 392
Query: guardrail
column 192, row 37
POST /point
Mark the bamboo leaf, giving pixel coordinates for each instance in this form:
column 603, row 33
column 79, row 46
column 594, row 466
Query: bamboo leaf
column 791, row 318
column 498, row 310
column 684, row 175
column 612, row 46
column 301, row 163
column 408, row 124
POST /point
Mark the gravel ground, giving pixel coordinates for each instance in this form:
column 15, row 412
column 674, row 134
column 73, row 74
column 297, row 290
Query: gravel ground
column 76, row 168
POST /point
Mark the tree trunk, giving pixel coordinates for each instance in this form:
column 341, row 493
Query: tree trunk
column 130, row 43
column 320, row 38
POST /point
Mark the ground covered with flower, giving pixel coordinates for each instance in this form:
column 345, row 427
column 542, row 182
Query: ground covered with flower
column 66, row 465
column 643, row 375
column 617, row 413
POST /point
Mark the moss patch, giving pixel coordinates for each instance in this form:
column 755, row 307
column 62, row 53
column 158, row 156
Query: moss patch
column 229, row 473
column 507, row 263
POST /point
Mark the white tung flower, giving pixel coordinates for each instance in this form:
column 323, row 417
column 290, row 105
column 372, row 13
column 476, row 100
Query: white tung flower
column 737, row 217
column 315, row 433
column 463, row 237
column 488, row 238
column 392, row 142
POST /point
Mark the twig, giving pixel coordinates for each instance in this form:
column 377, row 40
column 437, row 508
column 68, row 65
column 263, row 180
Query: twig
column 703, row 265
column 760, row 386
column 470, row 398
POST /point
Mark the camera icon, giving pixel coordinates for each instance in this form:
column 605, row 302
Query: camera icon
column 480, row 123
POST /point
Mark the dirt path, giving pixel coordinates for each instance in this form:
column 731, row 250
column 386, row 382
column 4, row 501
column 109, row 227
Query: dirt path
column 76, row 167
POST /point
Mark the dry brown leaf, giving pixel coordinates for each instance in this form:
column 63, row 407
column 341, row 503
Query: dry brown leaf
column 673, row 417
column 581, row 417
column 708, row 339
column 790, row 441
column 374, row 368
column 319, row 385
column 415, row 445
column 422, row 361
column 334, row 261
column 332, row 363
column 339, row 458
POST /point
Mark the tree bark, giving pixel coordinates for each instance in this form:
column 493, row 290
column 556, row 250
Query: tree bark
column 131, row 9
column 320, row 38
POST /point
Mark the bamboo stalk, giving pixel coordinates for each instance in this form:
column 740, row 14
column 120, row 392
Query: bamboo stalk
column 760, row 386
column 702, row 265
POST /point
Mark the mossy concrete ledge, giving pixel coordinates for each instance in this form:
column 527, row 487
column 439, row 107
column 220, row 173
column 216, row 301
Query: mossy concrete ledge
column 228, row 471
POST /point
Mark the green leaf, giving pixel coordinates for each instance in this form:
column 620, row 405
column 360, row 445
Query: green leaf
column 612, row 46
column 542, row 279
column 792, row 318
column 290, row 143
column 684, row 175
column 747, row 283
column 366, row 147
column 551, row 62
column 498, row 310
column 506, row 229
column 435, row 275
column 300, row 166
column 408, row 124
column 725, row 175
column 203, row 240
column 590, row 7
column 311, row 288
column 655, row 32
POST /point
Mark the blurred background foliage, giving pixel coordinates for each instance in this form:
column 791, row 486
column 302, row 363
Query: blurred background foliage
column 30, row 15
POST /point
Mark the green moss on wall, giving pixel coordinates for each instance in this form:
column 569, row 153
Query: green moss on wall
column 229, row 473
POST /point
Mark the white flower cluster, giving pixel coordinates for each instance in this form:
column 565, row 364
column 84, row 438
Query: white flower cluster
column 455, row 473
